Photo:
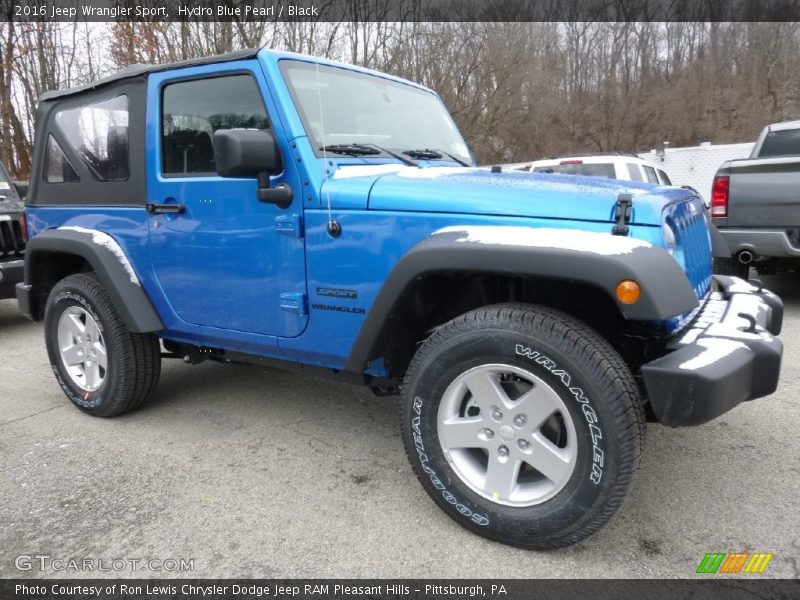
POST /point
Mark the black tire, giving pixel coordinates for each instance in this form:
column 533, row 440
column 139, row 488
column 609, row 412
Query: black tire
column 582, row 369
column 133, row 359
column 732, row 267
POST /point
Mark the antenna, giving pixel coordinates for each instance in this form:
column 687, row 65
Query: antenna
column 334, row 229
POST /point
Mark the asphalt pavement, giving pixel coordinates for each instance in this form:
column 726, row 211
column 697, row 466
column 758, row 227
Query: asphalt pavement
column 248, row 472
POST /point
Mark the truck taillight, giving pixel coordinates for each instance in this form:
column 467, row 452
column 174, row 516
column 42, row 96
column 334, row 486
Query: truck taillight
column 571, row 162
column 23, row 227
column 719, row 196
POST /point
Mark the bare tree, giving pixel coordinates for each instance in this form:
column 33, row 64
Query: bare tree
column 517, row 90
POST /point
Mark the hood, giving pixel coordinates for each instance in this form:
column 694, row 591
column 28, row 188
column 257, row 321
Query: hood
column 477, row 191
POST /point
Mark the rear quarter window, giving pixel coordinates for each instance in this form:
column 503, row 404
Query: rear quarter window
column 57, row 168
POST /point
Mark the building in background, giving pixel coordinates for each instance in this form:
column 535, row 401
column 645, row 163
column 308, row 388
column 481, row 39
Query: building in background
column 696, row 165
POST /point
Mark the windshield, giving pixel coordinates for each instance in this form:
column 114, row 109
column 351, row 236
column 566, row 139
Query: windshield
column 365, row 109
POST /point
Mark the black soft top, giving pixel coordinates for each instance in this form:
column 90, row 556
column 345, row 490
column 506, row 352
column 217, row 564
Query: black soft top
column 138, row 70
column 89, row 189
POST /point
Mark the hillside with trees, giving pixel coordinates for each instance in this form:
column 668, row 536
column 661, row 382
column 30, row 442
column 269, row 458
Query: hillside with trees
column 517, row 90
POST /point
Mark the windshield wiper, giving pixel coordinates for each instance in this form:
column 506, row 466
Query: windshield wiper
column 424, row 154
column 463, row 163
column 397, row 155
column 367, row 150
column 428, row 154
column 351, row 149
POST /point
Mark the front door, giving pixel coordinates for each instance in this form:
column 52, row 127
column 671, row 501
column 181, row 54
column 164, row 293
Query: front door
column 227, row 260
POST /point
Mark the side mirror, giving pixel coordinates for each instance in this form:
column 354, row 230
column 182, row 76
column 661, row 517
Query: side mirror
column 22, row 188
column 251, row 153
column 246, row 152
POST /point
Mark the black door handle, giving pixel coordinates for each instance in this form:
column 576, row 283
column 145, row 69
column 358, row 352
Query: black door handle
column 158, row 209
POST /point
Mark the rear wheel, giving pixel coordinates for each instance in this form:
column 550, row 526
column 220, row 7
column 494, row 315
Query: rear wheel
column 731, row 266
column 102, row 367
column 523, row 424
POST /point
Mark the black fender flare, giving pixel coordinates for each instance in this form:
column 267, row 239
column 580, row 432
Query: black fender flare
column 109, row 262
column 597, row 259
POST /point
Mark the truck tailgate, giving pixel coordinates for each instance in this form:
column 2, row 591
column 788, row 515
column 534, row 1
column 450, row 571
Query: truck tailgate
column 764, row 192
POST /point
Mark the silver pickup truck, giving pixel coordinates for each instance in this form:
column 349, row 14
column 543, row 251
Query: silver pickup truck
column 755, row 204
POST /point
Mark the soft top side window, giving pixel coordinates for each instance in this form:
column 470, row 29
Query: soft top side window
column 57, row 168
column 191, row 111
column 98, row 133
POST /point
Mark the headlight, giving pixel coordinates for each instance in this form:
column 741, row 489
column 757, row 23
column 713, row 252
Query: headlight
column 672, row 244
column 670, row 241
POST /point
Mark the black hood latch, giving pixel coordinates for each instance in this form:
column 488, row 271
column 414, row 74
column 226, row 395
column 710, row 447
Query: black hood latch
column 622, row 214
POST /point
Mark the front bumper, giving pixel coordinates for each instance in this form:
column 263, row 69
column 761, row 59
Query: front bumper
column 727, row 355
column 11, row 273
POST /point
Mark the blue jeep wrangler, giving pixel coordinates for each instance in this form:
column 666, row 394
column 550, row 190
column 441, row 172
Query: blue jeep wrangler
column 272, row 208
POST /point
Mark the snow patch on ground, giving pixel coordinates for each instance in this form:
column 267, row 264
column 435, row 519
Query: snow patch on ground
column 109, row 243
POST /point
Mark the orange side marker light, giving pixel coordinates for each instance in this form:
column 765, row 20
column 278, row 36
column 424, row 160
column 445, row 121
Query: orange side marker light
column 628, row 291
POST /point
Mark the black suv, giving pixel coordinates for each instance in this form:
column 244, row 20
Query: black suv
column 12, row 235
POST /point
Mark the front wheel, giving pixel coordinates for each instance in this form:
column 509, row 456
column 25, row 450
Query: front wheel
column 523, row 424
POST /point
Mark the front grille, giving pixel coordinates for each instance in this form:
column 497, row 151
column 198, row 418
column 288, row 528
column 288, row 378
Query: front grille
column 693, row 238
column 12, row 242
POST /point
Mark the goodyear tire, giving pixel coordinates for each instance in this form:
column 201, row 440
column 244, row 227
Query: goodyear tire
column 732, row 267
column 102, row 367
column 523, row 425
